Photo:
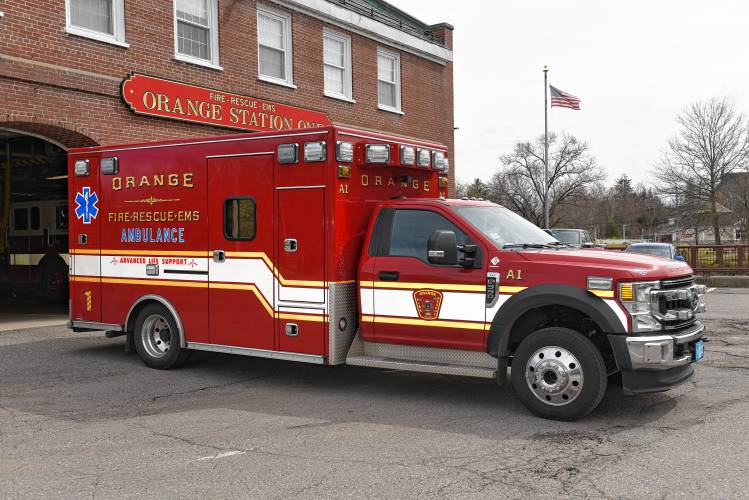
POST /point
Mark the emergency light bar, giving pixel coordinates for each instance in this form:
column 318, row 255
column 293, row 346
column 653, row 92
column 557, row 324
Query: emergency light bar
column 314, row 151
column 408, row 155
column 344, row 151
column 82, row 168
column 378, row 153
column 109, row 166
column 288, row 153
column 438, row 160
column 423, row 155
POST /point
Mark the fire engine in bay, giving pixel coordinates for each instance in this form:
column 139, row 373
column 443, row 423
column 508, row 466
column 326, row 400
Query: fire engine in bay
column 339, row 246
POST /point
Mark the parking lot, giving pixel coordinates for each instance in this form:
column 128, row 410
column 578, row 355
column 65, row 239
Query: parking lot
column 79, row 418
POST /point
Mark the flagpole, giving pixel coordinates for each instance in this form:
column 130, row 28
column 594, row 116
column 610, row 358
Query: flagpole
column 546, row 149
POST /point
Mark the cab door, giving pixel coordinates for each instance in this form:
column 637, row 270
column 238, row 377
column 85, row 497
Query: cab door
column 240, row 235
column 419, row 303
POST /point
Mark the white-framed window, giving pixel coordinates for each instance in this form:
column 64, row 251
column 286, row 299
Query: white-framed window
column 102, row 20
column 274, row 53
column 196, row 32
column 388, row 81
column 337, row 65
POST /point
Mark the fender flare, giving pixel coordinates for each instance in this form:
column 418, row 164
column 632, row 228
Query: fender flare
column 129, row 319
column 548, row 295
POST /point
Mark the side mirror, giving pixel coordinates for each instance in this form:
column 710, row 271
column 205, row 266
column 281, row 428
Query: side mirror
column 442, row 248
column 680, row 257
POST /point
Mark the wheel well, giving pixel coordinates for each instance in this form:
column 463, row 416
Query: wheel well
column 567, row 317
column 146, row 301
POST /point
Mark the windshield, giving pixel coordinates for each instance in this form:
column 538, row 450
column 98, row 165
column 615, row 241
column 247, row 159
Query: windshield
column 657, row 251
column 567, row 236
column 502, row 226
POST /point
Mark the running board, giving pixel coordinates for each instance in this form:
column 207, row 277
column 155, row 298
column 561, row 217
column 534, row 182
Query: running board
column 258, row 353
column 422, row 359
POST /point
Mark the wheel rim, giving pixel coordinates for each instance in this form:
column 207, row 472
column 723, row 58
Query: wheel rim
column 554, row 375
column 156, row 335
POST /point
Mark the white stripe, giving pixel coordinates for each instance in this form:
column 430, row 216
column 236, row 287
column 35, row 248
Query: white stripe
column 86, row 265
column 366, row 299
column 618, row 311
column 459, row 306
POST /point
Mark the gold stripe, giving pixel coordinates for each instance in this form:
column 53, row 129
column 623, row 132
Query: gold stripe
column 439, row 286
column 156, row 282
column 157, row 253
column 86, row 279
column 604, row 294
column 511, row 289
column 420, row 322
column 302, row 317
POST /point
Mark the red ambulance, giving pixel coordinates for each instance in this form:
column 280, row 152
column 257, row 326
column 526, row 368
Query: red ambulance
column 339, row 246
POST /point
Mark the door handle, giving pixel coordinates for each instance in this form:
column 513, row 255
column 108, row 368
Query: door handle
column 389, row 275
column 219, row 256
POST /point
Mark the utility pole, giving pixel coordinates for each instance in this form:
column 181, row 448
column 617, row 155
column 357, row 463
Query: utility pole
column 546, row 148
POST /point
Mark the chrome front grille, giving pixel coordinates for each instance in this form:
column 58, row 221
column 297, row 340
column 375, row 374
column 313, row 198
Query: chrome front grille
column 677, row 301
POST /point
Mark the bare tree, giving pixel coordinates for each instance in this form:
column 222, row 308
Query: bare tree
column 713, row 140
column 520, row 182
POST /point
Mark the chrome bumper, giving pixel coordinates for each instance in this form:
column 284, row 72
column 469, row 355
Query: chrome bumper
column 662, row 352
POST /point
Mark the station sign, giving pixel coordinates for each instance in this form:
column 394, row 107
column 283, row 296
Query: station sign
column 153, row 96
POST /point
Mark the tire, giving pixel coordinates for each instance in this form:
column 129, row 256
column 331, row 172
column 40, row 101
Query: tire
column 157, row 338
column 559, row 374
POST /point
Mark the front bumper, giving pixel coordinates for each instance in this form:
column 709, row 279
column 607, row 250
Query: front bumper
column 656, row 363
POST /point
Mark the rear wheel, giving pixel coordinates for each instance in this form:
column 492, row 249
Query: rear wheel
column 157, row 338
column 559, row 374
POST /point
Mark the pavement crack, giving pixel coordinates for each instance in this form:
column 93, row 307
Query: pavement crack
column 205, row 388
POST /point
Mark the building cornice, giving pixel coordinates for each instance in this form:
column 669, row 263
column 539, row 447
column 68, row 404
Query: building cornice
column 351, row 21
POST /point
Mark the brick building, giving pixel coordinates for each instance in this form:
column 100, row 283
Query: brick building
column 64, row 65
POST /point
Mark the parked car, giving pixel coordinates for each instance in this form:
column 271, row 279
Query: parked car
column 579, row 238
column 666, row 250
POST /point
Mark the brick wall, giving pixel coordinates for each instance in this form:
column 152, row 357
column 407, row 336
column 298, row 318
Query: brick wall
column 61, row 82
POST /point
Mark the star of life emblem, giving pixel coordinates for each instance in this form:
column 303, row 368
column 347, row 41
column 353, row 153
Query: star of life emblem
column 85, row 205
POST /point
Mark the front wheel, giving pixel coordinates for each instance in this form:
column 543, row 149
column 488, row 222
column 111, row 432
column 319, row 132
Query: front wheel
column 157, row 338
column 558, row 373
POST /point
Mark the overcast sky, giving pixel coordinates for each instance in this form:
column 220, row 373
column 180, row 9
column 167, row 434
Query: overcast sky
column 633, row 64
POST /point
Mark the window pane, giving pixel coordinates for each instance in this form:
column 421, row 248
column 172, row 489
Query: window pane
column 334, row 52
column 270, row 31
column 272, row 63
column 20, row 219
column 239, row 219
column 334, row 80
column 193, row 41
column 195, row 11
column 412, row 229
column 62, row 217
column 386, row 68
column 35, row 222
column 94, row 15
column 387, row 94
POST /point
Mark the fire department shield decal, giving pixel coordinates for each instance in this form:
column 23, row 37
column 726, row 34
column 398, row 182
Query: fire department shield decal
column 428, row 303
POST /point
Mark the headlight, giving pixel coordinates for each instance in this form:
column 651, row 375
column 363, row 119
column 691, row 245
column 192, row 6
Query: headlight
column 635, row 297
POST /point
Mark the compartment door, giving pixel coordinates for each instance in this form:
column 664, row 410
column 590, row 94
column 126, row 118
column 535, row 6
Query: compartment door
column 300, row 251
column 240, row 235
column 301, row 245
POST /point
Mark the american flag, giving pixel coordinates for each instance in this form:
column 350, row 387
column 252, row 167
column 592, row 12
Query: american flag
column 562, row 99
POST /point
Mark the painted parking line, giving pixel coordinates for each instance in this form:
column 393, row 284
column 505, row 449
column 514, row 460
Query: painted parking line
column 221, row 455
column 710, row 289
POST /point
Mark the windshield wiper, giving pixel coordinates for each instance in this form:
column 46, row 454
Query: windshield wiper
column 526, row 245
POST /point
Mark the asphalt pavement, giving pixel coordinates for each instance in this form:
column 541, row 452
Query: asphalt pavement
column 78, row 418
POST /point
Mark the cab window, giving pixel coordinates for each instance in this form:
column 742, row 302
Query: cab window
column 411, row 230
column 20, row 219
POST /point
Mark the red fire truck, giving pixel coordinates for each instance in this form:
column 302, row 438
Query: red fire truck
column 338, row 246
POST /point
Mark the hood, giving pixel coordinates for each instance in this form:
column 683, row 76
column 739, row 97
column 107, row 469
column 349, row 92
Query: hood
column 619, row 265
